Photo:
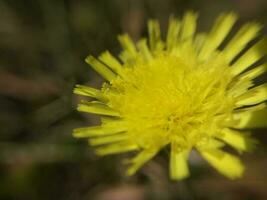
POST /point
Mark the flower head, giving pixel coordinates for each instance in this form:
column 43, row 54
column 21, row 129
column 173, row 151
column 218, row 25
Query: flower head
column 192, row 91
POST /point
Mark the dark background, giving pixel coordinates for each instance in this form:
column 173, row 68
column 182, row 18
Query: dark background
column 43, row 44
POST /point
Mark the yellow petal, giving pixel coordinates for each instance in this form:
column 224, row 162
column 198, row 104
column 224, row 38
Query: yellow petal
column 210, row 144
column 188, row 26
column 155, row 42
column 239, row 140
column 90, row 92
column 225, row 163
column 173, row 32
column 253, row 73
column 253, row 96
column 127, row 44
column 239, row 87
column 94, row 131
column 108, row 139
column 257, row 119
column 248, row 58
column 199, row 42
column 111, row 62
column 240, row 111
column 140, row 160
column 145, row 52
column 218, row 33
column 241, row 39
column 97, row 108
column 116, row 148
column 178, row 164
column 104, row 71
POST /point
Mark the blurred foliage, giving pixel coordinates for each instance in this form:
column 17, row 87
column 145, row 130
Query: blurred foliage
column 43, row 44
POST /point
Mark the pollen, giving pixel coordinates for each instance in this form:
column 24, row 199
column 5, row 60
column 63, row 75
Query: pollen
column 185, row 93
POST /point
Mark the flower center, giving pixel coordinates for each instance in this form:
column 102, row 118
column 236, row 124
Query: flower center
column 172, row 99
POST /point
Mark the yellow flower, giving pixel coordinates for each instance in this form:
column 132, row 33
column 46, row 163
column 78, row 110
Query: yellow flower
column 192, row 91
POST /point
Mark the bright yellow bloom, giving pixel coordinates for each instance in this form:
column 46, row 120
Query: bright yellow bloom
column 188, row 92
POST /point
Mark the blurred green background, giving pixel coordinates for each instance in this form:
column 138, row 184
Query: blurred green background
column 43, row 44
